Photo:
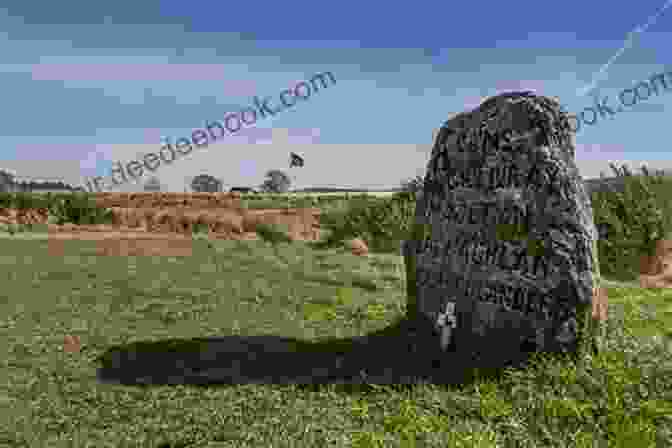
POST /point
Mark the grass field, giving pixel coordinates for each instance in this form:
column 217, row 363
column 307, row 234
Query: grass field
column 281, row 330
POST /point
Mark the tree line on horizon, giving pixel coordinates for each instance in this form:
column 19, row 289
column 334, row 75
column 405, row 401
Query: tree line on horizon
column 276, row 181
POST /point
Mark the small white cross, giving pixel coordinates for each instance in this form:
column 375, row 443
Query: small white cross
column 448, row 318
column 446, row 322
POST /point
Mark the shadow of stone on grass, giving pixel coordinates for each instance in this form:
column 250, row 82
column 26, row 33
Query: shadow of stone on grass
column 393, row 355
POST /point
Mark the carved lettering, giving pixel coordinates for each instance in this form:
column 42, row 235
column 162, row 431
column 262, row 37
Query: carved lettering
column 510, row 222
column 523, row 300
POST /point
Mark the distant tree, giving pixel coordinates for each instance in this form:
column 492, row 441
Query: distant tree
column 413, row 185
column 6, row 181
column 277, row 181
column 152, row 184
column 205, row 183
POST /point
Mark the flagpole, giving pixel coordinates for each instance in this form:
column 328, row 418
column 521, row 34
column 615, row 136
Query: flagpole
column 293, row 178
column 291, row 165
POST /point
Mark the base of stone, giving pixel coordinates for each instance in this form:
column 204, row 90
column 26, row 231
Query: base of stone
column 459, row 362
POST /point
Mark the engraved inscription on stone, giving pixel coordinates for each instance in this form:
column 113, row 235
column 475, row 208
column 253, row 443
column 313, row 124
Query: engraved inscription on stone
column 511, row 223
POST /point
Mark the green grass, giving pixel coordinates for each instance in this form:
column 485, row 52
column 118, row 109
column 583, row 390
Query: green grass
column 246, row 344
column 13, row 229
column 281, row 202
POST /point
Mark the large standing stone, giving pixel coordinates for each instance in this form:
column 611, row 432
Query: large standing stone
column 503, row 257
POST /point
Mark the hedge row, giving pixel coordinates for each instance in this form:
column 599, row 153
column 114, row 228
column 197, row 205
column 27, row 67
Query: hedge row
column 631, row 219
column 75, row 208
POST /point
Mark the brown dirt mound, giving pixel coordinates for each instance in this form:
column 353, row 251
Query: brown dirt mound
column 656, row 271
column 158, row 200
column 29, row 216
column 301, row 224
column 168, row 230
column 220, row 223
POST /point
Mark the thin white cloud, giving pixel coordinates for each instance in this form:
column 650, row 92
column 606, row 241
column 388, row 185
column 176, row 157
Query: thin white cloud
column 601, row 74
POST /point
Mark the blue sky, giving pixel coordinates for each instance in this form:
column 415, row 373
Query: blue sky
column 85, row 83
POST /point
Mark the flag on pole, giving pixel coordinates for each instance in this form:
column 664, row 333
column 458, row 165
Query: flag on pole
column 295, row 160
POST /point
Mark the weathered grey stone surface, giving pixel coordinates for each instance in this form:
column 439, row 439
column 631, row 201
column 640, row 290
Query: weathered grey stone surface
column 510, row 231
